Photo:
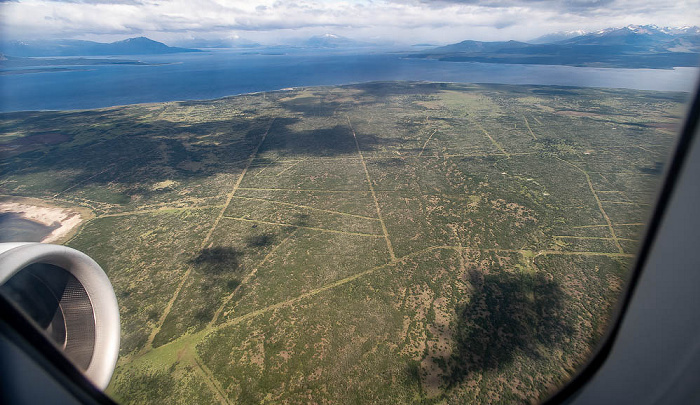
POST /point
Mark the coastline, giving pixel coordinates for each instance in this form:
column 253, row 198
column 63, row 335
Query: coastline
column 66, row 220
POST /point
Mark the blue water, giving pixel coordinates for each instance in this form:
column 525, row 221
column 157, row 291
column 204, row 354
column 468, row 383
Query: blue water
column 15, row 228
column 215, row 74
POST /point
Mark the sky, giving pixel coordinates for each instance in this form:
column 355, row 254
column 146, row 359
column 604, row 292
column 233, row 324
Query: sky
column 379, row 21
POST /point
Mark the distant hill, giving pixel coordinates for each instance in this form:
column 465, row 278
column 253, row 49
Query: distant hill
column 333, row 41
column 630, row 47
column 470, row 46
column 67, row 47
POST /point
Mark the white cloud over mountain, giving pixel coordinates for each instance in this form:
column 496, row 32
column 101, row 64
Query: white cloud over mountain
column 271, row 21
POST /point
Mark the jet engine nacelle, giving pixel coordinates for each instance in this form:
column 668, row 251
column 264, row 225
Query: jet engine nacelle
column 69, row 298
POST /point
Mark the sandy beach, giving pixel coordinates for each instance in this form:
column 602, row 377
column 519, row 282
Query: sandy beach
column 66, row 219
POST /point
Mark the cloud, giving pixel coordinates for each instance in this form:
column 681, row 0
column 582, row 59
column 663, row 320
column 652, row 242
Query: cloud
column 582, row 7
column 278, row 21
column 133, row 2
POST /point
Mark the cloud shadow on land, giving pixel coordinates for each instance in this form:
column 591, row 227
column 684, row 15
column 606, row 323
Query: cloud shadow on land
column 127, row 148
column 216, row 260
column 259, row 241
column 509, row 315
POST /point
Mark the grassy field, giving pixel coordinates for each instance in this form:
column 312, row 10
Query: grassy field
column 377, row 243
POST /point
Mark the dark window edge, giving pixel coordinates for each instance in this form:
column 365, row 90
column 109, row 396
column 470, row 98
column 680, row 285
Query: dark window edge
column 21, row 332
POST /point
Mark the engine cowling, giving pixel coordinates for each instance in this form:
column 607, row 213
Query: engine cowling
column 69, row 298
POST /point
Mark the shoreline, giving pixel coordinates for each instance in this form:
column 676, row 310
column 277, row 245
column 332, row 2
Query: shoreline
column 65, row 220
column 292, row 88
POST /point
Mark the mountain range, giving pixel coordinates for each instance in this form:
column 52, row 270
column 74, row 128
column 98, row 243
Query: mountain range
column 146, row 46
column 69, row 47
column 634, row 46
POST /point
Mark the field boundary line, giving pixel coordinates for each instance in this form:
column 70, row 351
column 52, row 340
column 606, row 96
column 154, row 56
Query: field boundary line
column 562, row 253
column 307, row 207
column 93, row 205
column 527, row 124
column 290, row 301
column 169, row 306
column 305, row 190
column 535, row 252
column 265, row 167
column 402, row 259
column 589, row 237
column 162, row 210
column 321, row 158
column 84, row 180
column 623, row 202
column 209, row 378
column 649, row 150
column 316, row 291
column 230, row 195
column 344, row 191
column 626, row 173
column 290, row 166
column 78, row 202
column 248, row 277
column 259, row 221
column 426, row 142
column 600, row 204
column 374, row 195
column 635, row 147
column 189, row 201
column 493, row 141
column 197, row 337
column 451, row 155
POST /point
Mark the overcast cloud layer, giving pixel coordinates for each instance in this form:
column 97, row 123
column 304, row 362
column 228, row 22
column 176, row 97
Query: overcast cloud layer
column 273, row 22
